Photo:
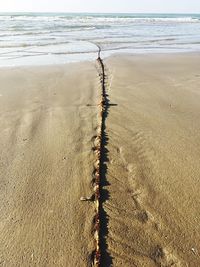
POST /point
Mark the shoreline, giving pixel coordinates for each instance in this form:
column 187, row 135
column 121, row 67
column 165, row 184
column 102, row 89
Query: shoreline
column 117, row 54
column 63, row 38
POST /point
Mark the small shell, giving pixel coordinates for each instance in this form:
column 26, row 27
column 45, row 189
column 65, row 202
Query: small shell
column 85, row 198
column 96, row 187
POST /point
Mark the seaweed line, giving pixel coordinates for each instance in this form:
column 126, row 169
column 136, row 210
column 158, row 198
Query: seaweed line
column 99, row 254
column 98, row 152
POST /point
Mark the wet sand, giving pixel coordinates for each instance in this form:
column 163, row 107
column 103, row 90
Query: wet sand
column 150, row 192
column 46, row 126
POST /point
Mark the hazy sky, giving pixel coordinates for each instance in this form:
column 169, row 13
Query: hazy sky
column 165, row 6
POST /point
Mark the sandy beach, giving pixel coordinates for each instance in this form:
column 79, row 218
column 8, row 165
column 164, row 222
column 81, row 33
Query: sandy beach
column 150, row 189
column 153, row 168
column 46, row 128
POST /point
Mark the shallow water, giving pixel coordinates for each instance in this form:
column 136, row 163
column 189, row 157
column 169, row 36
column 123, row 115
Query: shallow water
column 47, row 38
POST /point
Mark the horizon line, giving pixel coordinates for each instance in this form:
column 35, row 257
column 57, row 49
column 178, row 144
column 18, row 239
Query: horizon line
column 76, row 12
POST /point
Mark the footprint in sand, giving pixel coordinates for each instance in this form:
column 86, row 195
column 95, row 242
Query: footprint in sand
column 162, row 257
column 142, row 216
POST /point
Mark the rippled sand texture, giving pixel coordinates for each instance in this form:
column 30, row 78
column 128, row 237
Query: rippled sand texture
column 46, row 124
column 150, row 187
column 153, row 170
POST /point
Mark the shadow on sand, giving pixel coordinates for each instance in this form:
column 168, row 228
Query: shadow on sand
column 106, row 258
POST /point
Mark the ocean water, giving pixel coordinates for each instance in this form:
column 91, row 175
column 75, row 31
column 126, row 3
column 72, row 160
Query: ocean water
column 47, row 38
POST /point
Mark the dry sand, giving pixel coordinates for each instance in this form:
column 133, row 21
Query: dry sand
column 154, row 150
column 48, row 118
